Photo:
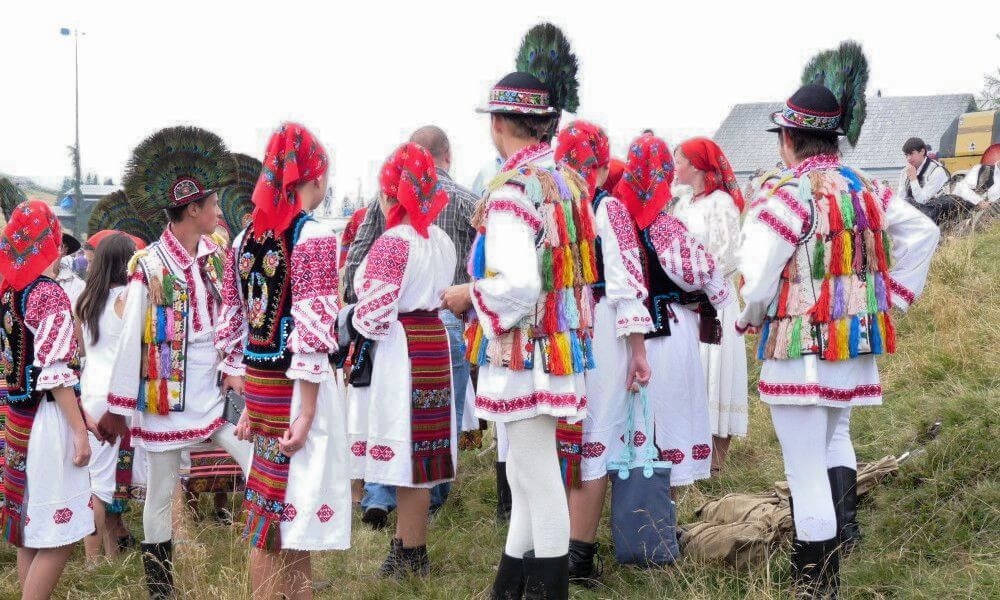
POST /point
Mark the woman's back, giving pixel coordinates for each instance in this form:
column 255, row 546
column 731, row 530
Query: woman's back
column 100, row 355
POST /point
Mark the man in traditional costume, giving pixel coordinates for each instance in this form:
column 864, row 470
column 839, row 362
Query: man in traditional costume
column 826, row 252
column 923, row 178
column 164, row 377
column 982, row 183
column 277, row 331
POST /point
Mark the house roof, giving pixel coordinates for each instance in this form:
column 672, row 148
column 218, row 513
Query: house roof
column 890, row 121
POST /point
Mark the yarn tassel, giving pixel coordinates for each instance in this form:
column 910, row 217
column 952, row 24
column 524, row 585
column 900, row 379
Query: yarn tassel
column 570, row 222
column 836, row 254
column 483, row 347
column 550, row 321
column 165, row 366
column 887, row 243
column 152, row 362
column 783, row 299
column 140, row 402
column 855, row 336
column 762, row 345
column 161, row 325
column 568, row 267
column 163, row 406
column 839, row 301
column 795, row 343
column 588, row 352
column 881, row 294
column 479, row 257
column 875, row 334
column 547, row 269
column 858, row 264
column 565, row 352
column 562, row 316
column 556, row 366
column 560, row 217
column 572, row 314
column 830, row 352
column 836, row 220
column 871, row 257
column 558, row 267
column 586, row 264
column 781, row 337
column 880, row 255
column 843, row 334
column 772, row 340
column 848, row 255
column 873, row 212
column 152, row 397
column 819, row 256
column 860, row 219
column 517, row 351
column 577, row 353
column 149, row 326
column 169, row 283
column 847, row 210
column 551, row 226
column 890, row 333
column 821, row 310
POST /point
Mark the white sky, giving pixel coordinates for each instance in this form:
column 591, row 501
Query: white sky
column 364, row 75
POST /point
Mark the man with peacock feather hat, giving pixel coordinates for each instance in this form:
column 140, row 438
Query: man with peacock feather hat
column 820, row 276
column 534, row 249
column 164, row 375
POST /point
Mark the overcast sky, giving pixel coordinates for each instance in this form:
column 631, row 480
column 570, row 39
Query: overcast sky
column 364, row 75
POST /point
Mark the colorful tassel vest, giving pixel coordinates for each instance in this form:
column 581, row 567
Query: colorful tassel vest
column 17, row 344
column 833, row 295
column 563, row 317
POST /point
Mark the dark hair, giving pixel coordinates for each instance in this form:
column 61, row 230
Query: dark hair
column 108, row 270
column 807, row 143
column 175, row 214
column 536, row 127
column 913, row 145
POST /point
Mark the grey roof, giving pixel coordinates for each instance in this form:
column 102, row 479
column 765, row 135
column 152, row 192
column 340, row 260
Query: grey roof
column 890, row 121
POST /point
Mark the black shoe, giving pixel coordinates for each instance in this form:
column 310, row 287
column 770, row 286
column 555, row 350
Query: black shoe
column 157, row 561
column 376, row 518
column 504, row 500
column 509, row 584
column 390, row 566
column 125, row 543
column 414, row 561
column 546, row 578
column 816, row 569
column 844, row 486
column 582, row 570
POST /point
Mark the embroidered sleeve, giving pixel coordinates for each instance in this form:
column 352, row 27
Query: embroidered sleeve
column 686, row 261
column 510, row 289
column 624, row 283
column 125, row 374
column 763, row 255
column 723, row 226
column 230, row 336
column 378, row 284
column 47, row 314
column 781, row 211
column 314, row 304
column 914, row 239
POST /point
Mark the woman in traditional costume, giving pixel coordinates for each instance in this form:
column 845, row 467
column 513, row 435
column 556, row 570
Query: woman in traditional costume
column 708, row 201
column 410, row 441
column 46, row 482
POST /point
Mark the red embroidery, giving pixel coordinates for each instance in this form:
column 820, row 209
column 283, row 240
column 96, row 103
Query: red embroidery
column 778, row 226
column 62, row 516
column 823, row 392
column 901, row 291
column 531, row 401
column 382, row 453
column 314, row 269
column 525, row 155
column 492, row 316
column 700, row 451
column 325, row 513
column 819, row 162
column 121, row 401
column 622, row 225
column 182, row 435
column 359, row 448
column 288, row 515
column 673, row 455
column 387, row 259
column 592, row 449
column 638, row 439
column 46, row 299
column 793, row 205
column 514, row 208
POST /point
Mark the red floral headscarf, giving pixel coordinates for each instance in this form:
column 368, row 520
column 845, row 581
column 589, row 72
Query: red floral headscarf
column 30, row 243
column 645, row 186
column 293, row 156
column 409, row 177
column 705, row 155
column 583, row 147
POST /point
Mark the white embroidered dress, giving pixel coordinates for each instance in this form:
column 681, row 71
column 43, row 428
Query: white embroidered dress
column 403, row 272
column 715, row 220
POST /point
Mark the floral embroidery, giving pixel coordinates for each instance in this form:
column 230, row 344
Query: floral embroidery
column 673, row 455
column 539, row 398
column 793, row 205
column 271, row 262
column 289, row 513
column 325, row 513
column 181, row 435
column 382, row 453
column 359, row 448
column 246, row 264
column 638, row 439
column 901, row 291
column 62, row 516
column 778, row 226
column 592, row 449
column 821, row 391
column 526, row 155
column 700, row 451
column 121, row 401
column 515, row 208
column 387, row 259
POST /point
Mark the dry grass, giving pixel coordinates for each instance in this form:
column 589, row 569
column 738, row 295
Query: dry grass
column 932, row 532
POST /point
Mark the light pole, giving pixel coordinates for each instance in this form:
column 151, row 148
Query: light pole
column 77, row 192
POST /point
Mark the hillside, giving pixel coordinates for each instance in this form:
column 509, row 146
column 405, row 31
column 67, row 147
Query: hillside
column 932, row 532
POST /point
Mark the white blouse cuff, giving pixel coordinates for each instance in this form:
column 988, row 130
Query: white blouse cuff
column 631, row 316
column 56, row 375
column 314, row 367
column 233, row 365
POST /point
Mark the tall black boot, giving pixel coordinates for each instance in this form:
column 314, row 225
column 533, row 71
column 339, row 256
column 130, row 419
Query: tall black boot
column 816, row 569
column 158, row 562
column 391, row 565
column 509, row 584
column 504, row 500
column 546, row 578
column 844, row 485
column 582, row 570
column 414, row 561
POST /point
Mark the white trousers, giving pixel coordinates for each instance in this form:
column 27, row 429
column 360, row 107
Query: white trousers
column 157, row 522
column 813, row 439
column 539, row 517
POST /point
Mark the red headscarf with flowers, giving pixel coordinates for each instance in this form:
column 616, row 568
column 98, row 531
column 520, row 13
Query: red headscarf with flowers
column 30, row 243
column 705, row 155
column 409, row 177
column 645, row 185
column 293, row 156
column 583, row 147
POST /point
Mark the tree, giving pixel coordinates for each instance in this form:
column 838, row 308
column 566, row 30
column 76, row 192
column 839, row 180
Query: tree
column 990, row 96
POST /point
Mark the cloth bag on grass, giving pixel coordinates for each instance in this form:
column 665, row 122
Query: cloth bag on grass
column 643, row 517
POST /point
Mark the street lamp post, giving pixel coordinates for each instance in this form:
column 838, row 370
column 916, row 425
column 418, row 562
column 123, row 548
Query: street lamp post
column 77, row 192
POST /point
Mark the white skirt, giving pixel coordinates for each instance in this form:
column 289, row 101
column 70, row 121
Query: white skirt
column 725, row 368
column 57, row 498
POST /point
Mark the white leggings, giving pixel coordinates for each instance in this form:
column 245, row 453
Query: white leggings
column 539, row 518
column 157, row 524
column 813, row 439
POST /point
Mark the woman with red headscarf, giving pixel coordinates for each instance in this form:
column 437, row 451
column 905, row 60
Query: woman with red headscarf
column 408, row 434
column 277, row 330
column 709, row 202
column 46, row 484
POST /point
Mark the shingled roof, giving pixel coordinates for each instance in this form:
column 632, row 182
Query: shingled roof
column 890, row 121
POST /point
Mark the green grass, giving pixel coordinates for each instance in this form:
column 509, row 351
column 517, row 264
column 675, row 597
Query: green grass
column 931, row 532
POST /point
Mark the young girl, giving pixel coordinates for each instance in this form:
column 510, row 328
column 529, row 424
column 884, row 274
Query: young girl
column 410, row 421
column 46, row 483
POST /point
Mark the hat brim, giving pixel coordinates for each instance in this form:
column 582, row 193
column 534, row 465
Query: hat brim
column 71, row 243
column 782, row 123
column 517, row 110
column 196, row 197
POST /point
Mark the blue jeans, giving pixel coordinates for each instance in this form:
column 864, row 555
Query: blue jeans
column 384, row 496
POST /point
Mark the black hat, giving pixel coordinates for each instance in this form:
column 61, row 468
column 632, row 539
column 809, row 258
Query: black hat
column 70, row 243
column 521, row 93
column 813, row 107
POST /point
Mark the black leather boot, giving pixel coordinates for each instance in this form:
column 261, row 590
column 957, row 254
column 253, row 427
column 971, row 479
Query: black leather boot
column 582, row 570
column 390, row 566
column 816, row 569
column 546, row 578
column 504, row 500
column 158, row 562
column 509, row 584
column 844, row 486
column 414, row 561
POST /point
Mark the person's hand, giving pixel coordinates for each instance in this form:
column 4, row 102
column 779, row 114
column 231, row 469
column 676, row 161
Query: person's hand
column 91, row 426
column 81, row 448
column 911, row 172
column 233, row 382
column 242, row 432
column 295, row 436
column 111, row 427
column 638, row 372
column 457, row 298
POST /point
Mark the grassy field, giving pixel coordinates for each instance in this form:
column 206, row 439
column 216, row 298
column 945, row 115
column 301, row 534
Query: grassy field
column 932, row 532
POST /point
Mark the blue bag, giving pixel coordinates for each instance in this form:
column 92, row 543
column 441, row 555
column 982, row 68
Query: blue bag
column 643, row 517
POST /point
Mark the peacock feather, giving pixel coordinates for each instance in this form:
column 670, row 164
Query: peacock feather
column 114, row 211
column 545, row 53
column 10, row 197
column 844, row 71
column 234, row 199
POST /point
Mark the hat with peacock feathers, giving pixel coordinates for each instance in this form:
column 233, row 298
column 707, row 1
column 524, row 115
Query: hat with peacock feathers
column 832, row 96
column 234, row 199
column 545, row 82
column 115, row 212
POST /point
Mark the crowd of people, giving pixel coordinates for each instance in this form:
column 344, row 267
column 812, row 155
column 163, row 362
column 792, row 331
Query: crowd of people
column 589, row 307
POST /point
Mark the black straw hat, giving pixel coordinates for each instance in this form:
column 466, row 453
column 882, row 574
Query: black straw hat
column 812, row 107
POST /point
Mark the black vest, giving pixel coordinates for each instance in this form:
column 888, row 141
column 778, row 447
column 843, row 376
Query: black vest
column 922, row 176
column 264, row 270
column 662, row 290
column 18, row 347
column 598, row 286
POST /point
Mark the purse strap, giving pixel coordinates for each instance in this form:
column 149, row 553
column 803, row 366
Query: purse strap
column 629, row 450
